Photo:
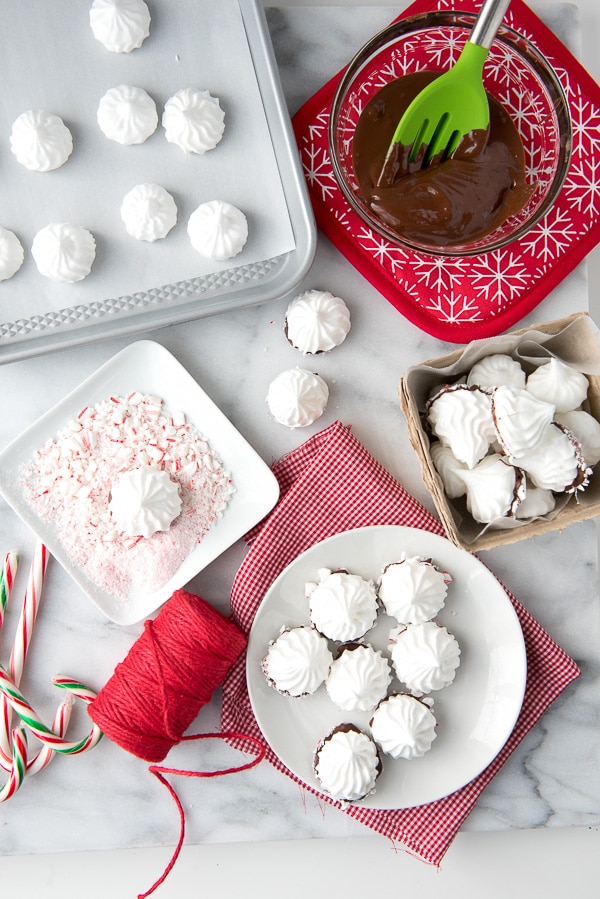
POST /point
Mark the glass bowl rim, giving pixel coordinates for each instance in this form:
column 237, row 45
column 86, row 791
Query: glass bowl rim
column 507, row 35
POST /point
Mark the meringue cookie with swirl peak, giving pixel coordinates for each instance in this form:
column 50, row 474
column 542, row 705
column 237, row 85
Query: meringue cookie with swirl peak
column 461, row 417
column 120, row 25
column 494, row 489
column 193, row 120
column 359, row 677
column 342, row 606
column 143, row 501
column 556, row 463
column 127, row 115
column 296, row 398
column 217, row 230
column 347, row 763
column 425, row 656
column 413, row 589
column 11, row 254
column 317, row 321
column 148, row 212
column 404, row 726
column 297, row 661
column 64, row 252
column 40, row 140
column 537, row 502
column 558, row 383
column 497, row 370
column 448, row 466
column 520, row 419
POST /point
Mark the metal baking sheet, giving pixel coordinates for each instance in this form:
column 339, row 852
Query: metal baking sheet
column 57, row 65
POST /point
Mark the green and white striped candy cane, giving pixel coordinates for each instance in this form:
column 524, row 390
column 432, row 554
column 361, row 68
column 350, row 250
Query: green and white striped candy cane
column 32, row 721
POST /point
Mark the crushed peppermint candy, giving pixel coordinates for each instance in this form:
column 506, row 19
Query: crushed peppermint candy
column 70, row 478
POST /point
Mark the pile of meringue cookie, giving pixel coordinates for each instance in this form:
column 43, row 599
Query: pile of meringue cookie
column 192, row 119
column 510, row 443
column 316, row 321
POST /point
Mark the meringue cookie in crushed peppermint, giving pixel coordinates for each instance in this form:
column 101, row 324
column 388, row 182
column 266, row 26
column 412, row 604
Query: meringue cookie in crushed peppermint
column 497, row 370
column 347, row 763
column 296, row 398
column 425, row 656
column 143, row 501
column 404, row 726
column 11, row 254
column 494, row 489
column 40, row 141
column 193, row 120
column 359, row 677
column 586, row 431
column 120, row 25
column 413, row 589
column 448, row 467
column 148, row 212
column 297, row 662
column 558, row 383
column 342, row 606
column 127, row 115
column 520, row 419
column 461, row 417
column 317, row 321
column 218, row 230
column 64, row 252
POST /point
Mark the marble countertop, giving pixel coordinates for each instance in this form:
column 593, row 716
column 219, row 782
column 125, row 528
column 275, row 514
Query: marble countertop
column 106, row 800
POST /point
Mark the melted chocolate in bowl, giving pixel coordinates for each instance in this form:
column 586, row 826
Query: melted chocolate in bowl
column 449, row 202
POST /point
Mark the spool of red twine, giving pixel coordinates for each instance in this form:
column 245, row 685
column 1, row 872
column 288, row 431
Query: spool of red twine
column 168, row 675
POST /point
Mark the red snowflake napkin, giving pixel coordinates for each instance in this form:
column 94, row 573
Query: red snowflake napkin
column 332, row 484
column 460, row 300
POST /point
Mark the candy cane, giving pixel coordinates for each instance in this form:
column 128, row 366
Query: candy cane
column 31, row 604
column 59, row 726
column 7, row 578
column 18, row 764
column 32, row 721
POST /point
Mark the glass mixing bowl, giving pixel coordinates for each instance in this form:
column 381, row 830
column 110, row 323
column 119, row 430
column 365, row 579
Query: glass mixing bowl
column 515, row 73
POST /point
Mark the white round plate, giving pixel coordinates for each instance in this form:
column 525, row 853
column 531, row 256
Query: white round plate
column 475, row 714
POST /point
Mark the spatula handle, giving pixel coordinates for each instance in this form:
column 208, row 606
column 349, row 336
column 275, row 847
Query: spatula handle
column 488, row 22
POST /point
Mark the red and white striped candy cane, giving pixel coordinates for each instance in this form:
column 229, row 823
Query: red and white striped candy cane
column 7, row 579
column 18, row 765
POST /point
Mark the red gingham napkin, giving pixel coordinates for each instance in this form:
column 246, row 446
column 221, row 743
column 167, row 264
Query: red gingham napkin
column 332, row 484
column 464, row 299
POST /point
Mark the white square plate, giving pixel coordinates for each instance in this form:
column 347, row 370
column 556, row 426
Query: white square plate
column 148, row 367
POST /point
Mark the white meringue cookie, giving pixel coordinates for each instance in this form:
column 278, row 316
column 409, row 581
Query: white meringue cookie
column 494, row 489
column 193, row 120
column 11, row 254
column 40, row 141
column 404, row 726
column 120, row 25
column 520, row 419
column 296, row 397
column 148, row 212
column 217, row 230
column 298, row 661
column 560, row 384
column 587, row 432
column 359, row 678
column 447, row 466
column 127, row 115
column 64, row 252
column 347, row 763
column 556, row 463
column 497, row 370
column 317, row 321
column 413, row 589
column 342, row 606
column 143, row 501
column 461, row 417
column 425, row 656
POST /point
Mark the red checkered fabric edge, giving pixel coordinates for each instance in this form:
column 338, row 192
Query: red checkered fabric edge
column 331, row 484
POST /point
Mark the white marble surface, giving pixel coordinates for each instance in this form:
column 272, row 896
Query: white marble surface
column 108, row 800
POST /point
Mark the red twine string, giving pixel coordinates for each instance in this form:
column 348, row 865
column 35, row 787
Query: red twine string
column 169, row 674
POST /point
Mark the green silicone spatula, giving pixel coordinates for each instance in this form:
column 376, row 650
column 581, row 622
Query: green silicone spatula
column 455, row 103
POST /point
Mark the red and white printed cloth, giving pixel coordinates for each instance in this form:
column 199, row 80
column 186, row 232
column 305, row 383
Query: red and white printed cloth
column 330, row 484
column 464, row 299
